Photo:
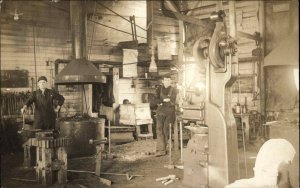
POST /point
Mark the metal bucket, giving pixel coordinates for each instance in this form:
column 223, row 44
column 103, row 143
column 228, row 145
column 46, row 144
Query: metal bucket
column 80, row 132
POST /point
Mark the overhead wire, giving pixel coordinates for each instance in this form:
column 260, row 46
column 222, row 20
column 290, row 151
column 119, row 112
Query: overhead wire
column 119, row 15
column 114, row 28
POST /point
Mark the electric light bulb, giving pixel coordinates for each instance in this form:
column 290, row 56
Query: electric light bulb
column 16, row 17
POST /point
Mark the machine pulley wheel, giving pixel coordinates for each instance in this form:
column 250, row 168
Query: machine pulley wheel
column 217, row 51
column 200, row 49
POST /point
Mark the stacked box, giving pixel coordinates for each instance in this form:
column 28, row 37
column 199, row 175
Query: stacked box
column 135, row 114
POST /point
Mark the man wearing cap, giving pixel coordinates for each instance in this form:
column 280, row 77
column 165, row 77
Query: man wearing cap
column 44, row 111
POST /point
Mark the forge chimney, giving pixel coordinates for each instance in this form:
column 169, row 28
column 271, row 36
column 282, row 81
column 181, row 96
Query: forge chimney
column 79, row 70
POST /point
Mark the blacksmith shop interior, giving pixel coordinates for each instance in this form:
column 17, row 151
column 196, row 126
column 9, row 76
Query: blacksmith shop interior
column 149, row 93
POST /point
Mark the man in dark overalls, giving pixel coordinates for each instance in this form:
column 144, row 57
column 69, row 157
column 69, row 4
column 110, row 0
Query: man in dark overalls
column 44, row 112
column 165, row 114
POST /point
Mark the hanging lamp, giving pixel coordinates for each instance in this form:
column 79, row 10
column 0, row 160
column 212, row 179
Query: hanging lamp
column 153, row 66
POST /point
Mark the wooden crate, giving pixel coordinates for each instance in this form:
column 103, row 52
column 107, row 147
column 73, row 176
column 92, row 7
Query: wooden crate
column 135, row 114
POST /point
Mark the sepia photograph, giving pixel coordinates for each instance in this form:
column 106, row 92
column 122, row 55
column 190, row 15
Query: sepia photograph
column 149, row 93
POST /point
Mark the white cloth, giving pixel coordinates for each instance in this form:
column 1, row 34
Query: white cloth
column 273, row 154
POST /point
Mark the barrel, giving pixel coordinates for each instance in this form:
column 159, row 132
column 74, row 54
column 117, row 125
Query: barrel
column 80, row 133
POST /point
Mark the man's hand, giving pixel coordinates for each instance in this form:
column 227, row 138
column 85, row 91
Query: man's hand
column 57, row 109
column 167, row 100
column 23, row 110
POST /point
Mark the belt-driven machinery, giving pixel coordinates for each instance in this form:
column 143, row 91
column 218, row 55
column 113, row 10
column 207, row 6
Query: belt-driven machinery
column 211, row 157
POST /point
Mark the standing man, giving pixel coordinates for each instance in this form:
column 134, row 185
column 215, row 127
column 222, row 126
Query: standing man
column 44, row 112
column 165, row 114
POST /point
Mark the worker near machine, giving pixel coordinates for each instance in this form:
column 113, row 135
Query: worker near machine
column 44, row 111
column 165, row 114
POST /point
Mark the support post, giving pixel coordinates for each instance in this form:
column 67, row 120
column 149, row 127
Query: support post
column 181, row 143
column 98, row 160
column 62, row 172
column 116, row 77
column 261, row 22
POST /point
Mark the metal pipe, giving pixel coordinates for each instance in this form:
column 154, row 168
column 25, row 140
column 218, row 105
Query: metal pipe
column 181, row 142
column 261, row 22
column 78, row 29
column 170, row 144
column 134, row 27
column 232, row 19
column 244, row 150
column 93, row 32
column 109, row 139
column 131, row 24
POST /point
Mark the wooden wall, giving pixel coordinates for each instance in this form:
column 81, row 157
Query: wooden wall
column 48, row 24
column 106, row 39
column 278, row 24
column 41, row 34
column 161, row 26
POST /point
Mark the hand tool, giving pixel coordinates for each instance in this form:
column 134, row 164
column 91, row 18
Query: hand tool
column 168, row 182
column 164, row 181
column 181, row 143
column 166, row 177
column 244, row 150
column 170, row 166
column 109, row 139
column 20, row 179
column 23, row 123
column 128, row 177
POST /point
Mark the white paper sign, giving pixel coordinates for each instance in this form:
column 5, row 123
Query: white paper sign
column 130, row 58
column 164, row 48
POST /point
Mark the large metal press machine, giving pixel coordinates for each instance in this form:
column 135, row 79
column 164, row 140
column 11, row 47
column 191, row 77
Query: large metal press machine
column 211, row 157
